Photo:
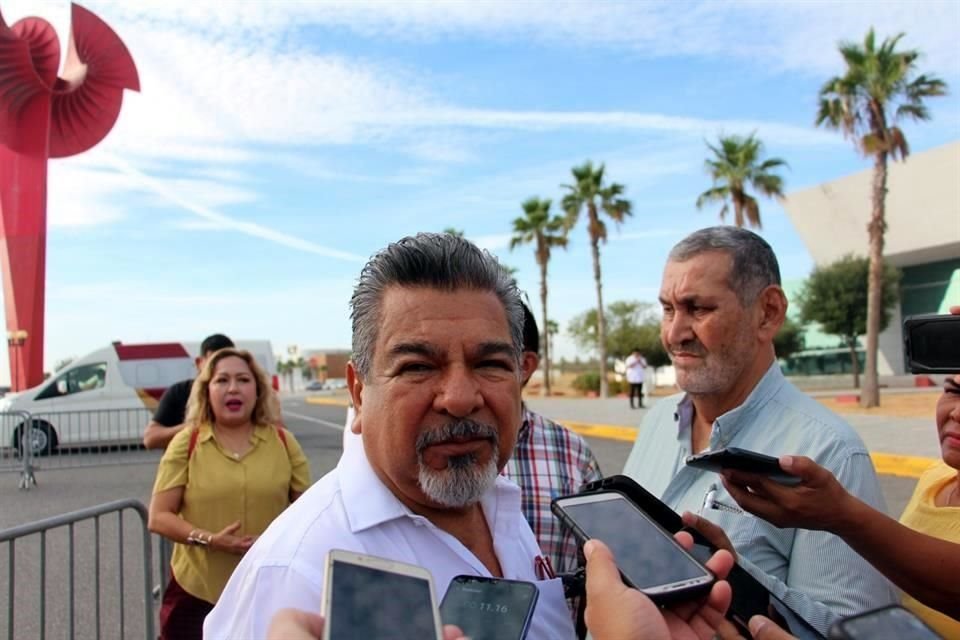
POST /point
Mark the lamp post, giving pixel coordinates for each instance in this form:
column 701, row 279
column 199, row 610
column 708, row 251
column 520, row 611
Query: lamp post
column 16, row 340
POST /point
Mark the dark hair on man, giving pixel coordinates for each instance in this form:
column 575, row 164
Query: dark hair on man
column 214, row 343
column 754, row 265
column 431, row 260
column 531, row 336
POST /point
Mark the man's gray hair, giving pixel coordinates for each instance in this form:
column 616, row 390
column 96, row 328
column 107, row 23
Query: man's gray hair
column 754, row 265
column 441, row 261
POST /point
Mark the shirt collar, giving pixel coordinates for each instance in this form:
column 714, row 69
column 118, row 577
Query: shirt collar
column 527, row 421
column 730, row 423
column 368, row 502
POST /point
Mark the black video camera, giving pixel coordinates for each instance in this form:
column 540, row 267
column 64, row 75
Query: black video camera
column 931, row 343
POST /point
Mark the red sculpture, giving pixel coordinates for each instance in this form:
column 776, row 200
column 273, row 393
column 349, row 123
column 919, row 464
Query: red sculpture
column 44, row 116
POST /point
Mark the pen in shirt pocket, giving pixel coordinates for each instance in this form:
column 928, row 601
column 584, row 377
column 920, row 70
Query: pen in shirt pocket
column 543, row 568
column 710, row 502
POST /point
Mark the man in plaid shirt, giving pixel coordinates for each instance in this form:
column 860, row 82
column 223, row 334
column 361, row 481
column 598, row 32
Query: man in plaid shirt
column 548, row 461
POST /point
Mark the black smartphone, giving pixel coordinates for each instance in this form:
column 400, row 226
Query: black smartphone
column 742, row 460
column 931, row 343
column 373, row 598
column 892, row 622
column 648, row 557
column 750, row 597
column 490, row 608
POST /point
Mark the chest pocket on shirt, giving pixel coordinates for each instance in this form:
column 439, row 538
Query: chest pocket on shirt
column 756, row 539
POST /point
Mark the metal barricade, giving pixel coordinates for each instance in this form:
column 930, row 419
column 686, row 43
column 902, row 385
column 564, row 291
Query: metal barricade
column 72, row 439
column 15, row 450
column 91, row 604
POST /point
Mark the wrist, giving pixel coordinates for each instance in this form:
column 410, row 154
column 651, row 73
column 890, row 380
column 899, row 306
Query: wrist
column 847, row 516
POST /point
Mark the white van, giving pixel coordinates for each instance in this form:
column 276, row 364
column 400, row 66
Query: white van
column 108, row 396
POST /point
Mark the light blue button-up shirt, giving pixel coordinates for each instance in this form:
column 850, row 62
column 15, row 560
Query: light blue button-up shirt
column 813, row 572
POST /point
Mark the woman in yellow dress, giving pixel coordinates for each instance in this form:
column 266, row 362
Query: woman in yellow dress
column 221, row 481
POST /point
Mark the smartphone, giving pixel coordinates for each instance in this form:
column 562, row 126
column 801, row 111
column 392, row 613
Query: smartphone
column 490, row 608
column 892, row 622
column 369, row 597
column 648, row 557
column 931, row 343
column 750, row 597
column 742, row 460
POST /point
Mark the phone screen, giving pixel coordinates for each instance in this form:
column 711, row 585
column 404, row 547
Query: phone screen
column 645, row 554
column 489, row 608
column 890, row 623
column 371, row 603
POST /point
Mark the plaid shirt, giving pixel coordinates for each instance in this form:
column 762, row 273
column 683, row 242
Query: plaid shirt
column 550, row 461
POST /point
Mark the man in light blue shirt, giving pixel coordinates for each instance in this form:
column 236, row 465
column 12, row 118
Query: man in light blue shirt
column 722, row 306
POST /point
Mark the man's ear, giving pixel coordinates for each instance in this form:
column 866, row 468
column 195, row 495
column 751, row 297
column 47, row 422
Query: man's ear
column 355, row 386
column 772, row 307
column 528, row 364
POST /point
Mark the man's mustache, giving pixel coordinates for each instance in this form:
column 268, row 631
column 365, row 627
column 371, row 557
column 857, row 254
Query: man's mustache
column 463, row 428
column 694, row 347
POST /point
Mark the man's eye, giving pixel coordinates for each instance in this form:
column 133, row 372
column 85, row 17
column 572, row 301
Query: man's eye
column 496, row 364
column 414, row 367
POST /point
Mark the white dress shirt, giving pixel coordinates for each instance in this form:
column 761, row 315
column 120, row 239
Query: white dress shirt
column 351, row 509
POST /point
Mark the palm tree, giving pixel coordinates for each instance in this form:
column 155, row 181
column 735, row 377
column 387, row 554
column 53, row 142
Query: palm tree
column 878, row 90
column 735, row 165
column 589, row 192
column 545, row 232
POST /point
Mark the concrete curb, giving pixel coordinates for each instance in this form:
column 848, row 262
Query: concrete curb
column 887, row 464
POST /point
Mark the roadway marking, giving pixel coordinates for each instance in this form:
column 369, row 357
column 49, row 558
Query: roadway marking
column 891, row 464
column 887, row 464
column 337, row 402
column 325, row 423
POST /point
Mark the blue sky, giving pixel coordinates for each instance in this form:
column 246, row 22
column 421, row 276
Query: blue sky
column 274, row 147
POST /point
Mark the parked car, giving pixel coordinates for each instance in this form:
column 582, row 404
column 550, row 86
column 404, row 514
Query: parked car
column 335, row 383
column 108, row 396
column 315, row 385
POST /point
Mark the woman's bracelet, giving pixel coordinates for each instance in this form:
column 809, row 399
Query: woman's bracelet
column 196, row 537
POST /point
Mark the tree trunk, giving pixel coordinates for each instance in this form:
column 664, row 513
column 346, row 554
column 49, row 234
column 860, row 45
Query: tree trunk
column 601, row 323
column 854, row 361
column 870, row 397
column 546, row 332
column 737, row 211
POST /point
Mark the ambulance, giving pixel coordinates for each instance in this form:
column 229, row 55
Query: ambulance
column 108, row 396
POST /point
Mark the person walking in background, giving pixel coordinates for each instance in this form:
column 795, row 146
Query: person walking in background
column 636, row 368
column 220, row 482
column 172, row 409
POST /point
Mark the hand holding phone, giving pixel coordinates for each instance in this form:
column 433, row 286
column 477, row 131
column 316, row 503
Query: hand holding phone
column 489, row 608
column 742, row 460
column 892, row 622
column 375, row 599
column 649, row 558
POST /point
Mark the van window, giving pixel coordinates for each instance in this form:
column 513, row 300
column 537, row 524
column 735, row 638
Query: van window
column 85, row 378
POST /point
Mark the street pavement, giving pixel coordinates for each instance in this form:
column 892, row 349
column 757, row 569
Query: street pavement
column 319, row 428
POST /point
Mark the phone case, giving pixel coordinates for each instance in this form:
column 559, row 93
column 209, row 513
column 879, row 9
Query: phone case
column 742, row 460
column 750, row 597
column 659, row 598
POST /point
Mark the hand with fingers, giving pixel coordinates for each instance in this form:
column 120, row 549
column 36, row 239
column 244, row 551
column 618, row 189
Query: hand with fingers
column 714, row 534
column 225, row 540
column 617, row 612
column 819, row 502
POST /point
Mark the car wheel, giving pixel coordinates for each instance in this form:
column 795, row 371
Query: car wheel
column 42, row 438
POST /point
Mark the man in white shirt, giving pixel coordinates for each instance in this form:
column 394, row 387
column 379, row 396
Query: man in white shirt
column 636, row 367
column 435, row 382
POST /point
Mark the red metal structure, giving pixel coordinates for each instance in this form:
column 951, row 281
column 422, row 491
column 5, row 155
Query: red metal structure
column 44, row 116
